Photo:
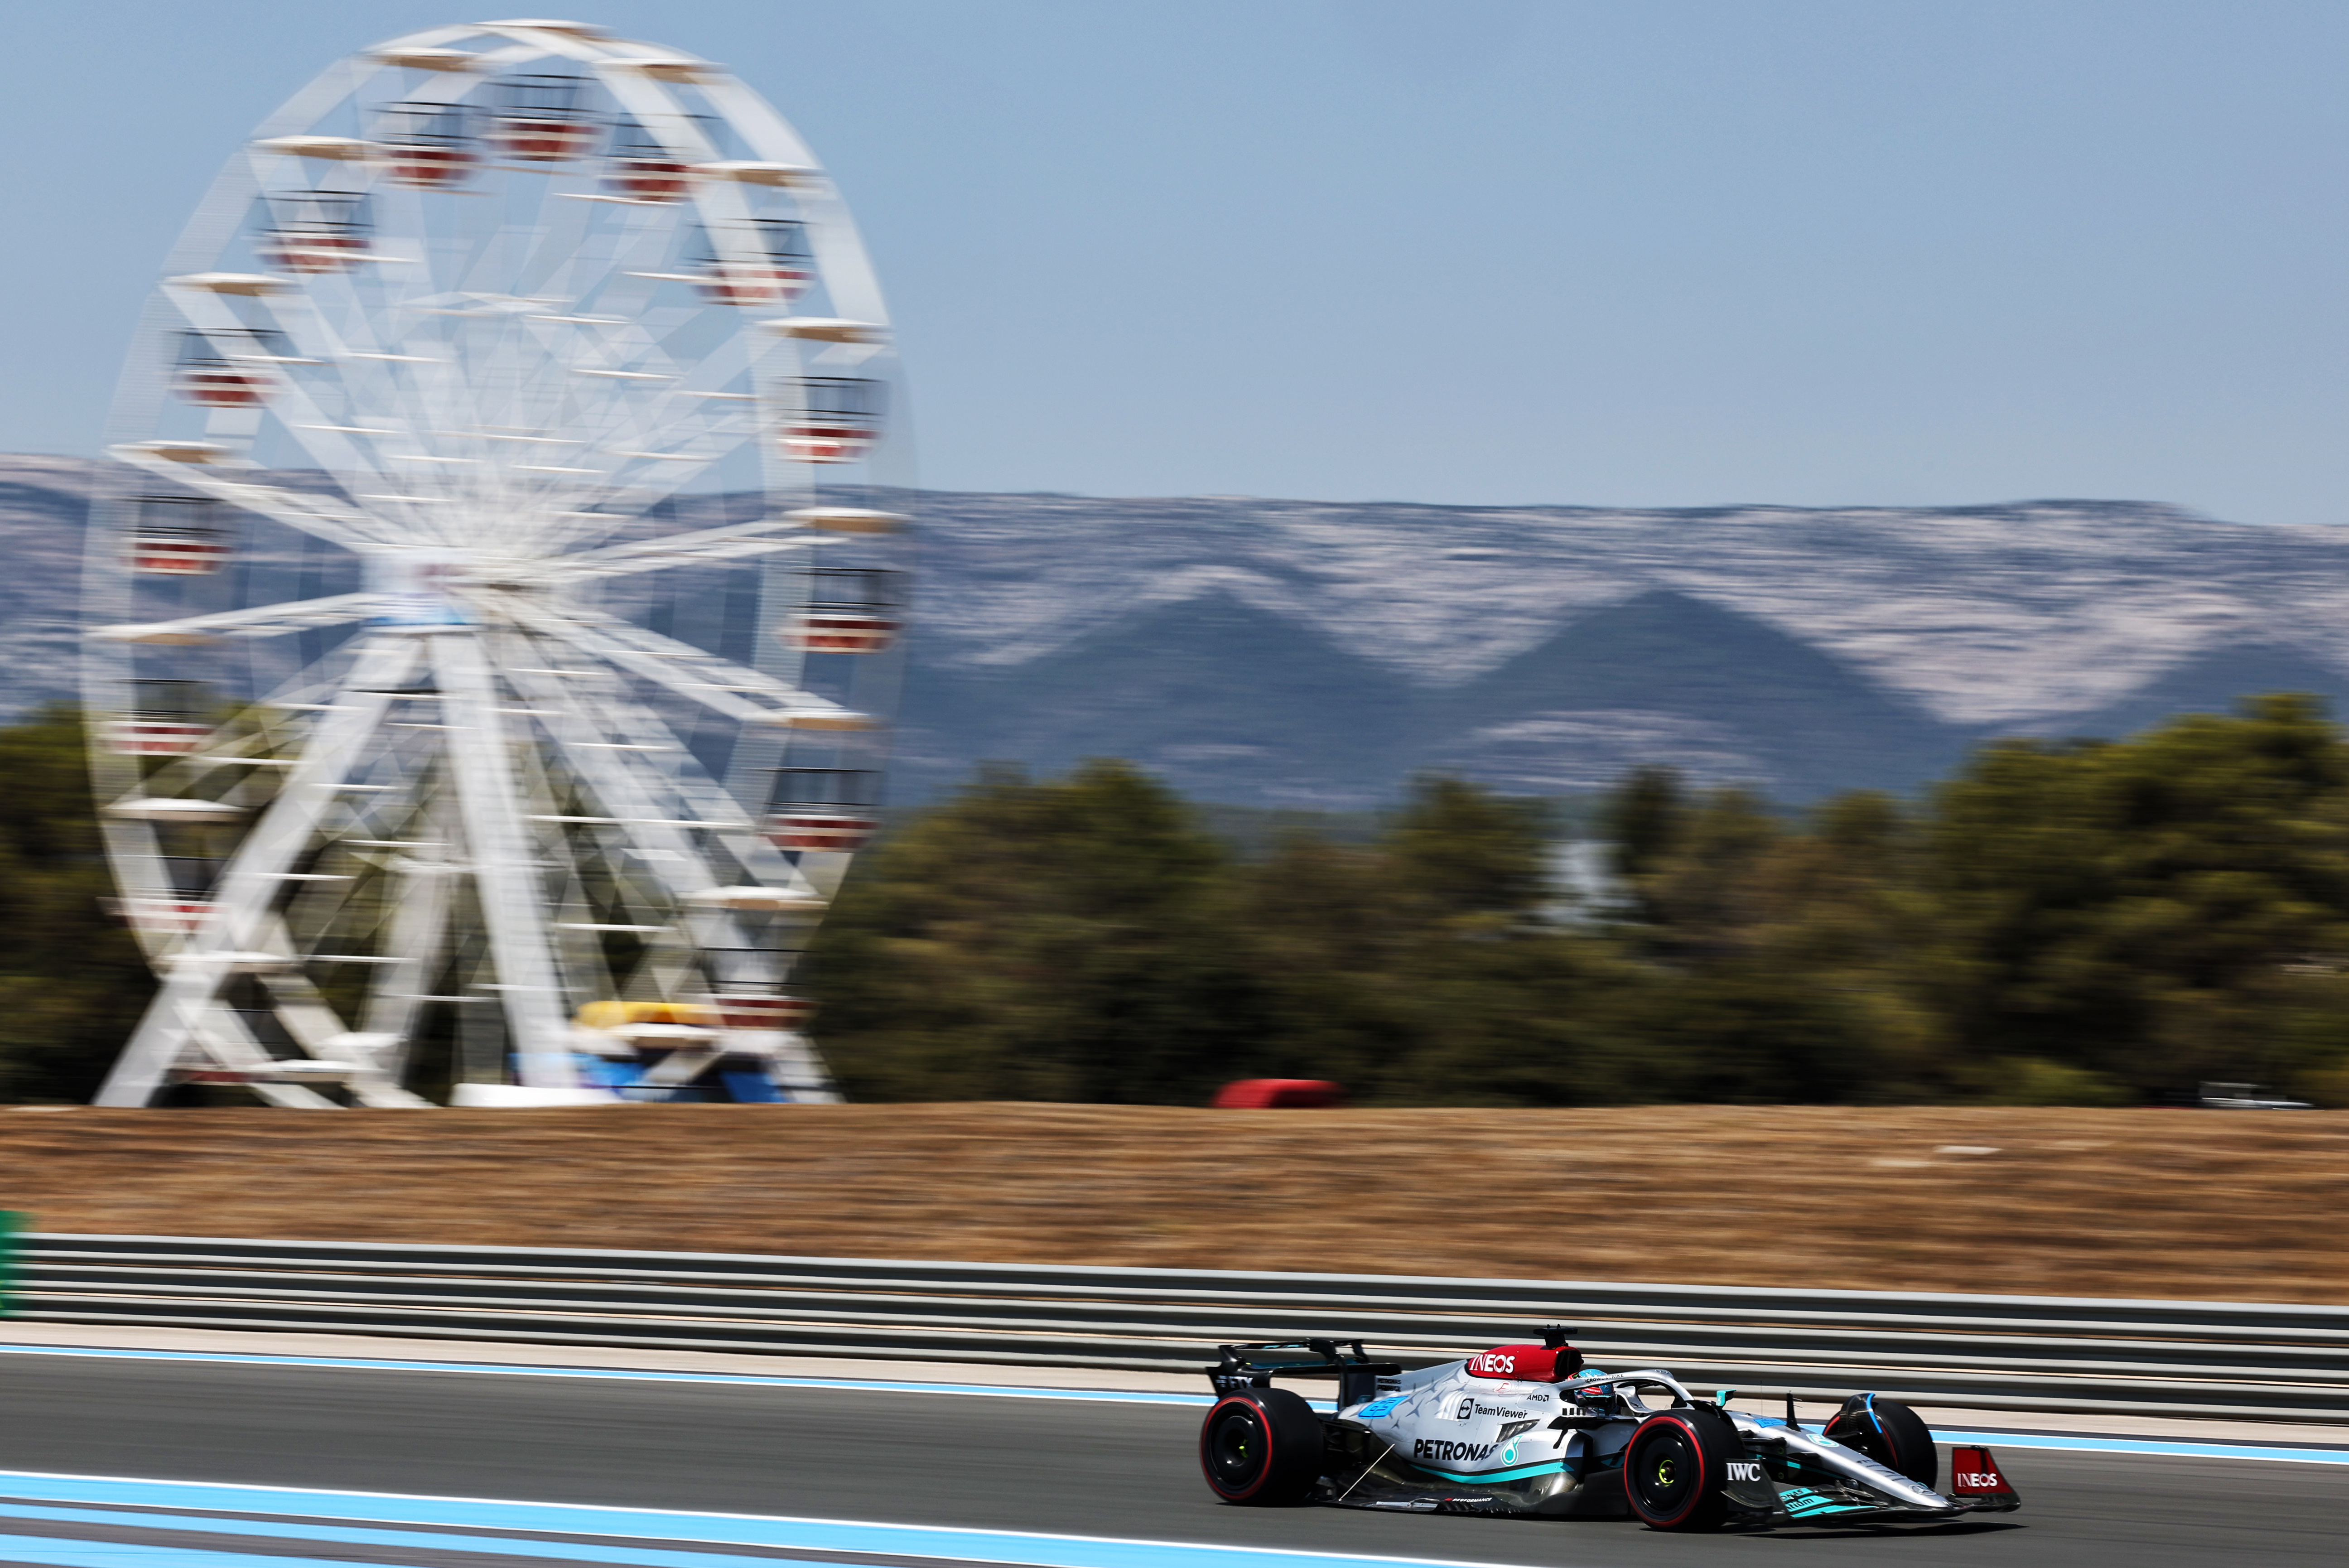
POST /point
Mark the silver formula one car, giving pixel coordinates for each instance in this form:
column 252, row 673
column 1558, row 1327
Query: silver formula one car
column 1529, row 1429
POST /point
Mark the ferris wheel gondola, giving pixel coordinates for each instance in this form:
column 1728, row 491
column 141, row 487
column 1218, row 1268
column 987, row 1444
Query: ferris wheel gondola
column 467, row 622
column 645, row 167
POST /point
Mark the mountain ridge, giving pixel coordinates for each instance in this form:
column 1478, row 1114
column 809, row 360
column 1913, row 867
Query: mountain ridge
column 1297, row 653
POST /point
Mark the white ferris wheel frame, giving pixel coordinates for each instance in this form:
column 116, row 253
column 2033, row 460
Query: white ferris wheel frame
column 494, row 738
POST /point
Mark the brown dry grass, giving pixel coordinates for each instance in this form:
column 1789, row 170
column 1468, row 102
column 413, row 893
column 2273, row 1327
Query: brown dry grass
column 2152, row 1203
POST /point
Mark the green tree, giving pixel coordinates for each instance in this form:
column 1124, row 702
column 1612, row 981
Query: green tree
column 1454, row 983
column 2166, row 909
column 1328, row 951
column 72, row 982
column 1085, row 939
column 1065, row 940
column 2082, row 922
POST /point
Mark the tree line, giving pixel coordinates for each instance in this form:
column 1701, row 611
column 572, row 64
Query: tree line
column 72, row 980
column 2078, row 923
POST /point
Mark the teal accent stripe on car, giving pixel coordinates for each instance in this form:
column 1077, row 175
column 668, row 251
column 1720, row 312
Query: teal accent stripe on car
column 1519, row 1473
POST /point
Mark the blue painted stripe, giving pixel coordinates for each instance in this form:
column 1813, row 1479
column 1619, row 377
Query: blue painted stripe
column 651, row 1525
column 66, row 1553
column 324, row 1534
column 2164, row 1448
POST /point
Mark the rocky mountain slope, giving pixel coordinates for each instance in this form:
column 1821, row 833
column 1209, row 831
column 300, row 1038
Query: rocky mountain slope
column 1283, row 652
column 1289, row 652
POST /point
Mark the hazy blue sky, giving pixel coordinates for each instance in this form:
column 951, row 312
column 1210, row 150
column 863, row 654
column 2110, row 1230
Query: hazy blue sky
column 1654, row 253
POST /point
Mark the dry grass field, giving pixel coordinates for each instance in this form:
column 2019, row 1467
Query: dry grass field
column 2241, row 1206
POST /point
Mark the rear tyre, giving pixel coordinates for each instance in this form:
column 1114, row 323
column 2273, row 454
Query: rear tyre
column 1676, row 1468
column 1890, row 1433
column 1261, row 1446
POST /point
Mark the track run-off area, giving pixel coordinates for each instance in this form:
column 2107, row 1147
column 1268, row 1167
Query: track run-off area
column 131, row 1459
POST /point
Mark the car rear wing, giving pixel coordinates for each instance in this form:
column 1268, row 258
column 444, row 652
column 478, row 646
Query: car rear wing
column 1250, row 1366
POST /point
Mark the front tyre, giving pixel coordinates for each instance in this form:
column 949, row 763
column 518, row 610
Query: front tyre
column 1676, row 1468
column 1261, row 1446
column 1890, row 1433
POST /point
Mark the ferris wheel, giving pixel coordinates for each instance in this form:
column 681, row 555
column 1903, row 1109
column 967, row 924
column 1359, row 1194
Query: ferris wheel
column 491, row 630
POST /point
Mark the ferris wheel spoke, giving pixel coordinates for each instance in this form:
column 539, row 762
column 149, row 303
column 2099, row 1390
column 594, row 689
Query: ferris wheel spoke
column 269, row 621
column 315, row 514
column 700, row 548
column 662, row 842
column 620, row 507
column 692, row 672
column 688, row 417
column 250, row 883
column 496, row 841
column 702, row 677
column 687, row 414
column 413, row 941
column 304, row 1011
column 551, row 261
column 568, row 854
column 220, row 1035
column 294, row 314
column 142, row 884
column 699, row 795
column 675, row 860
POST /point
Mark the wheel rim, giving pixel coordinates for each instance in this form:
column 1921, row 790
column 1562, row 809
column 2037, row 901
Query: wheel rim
column 1664, row 1472
column 1238, row 1448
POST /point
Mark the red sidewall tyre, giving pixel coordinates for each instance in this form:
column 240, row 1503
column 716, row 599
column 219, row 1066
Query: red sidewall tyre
column 1891, row 1434
column 1261, row 1446
column 1668, row 1498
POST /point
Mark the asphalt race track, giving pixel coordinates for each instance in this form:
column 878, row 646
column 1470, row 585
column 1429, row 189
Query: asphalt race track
column 1051, row 1469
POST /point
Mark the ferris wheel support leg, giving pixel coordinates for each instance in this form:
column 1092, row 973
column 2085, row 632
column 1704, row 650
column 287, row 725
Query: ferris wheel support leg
column 223, row 1034
column 513, row 907
column 794, row 1067
column 317, row 1028
column 798, row 1071
column 732, row 826
column 417, row 922
column 711, row 931
column 825, row 870
column 249, row 884
column 729, row 824
column 669, row 852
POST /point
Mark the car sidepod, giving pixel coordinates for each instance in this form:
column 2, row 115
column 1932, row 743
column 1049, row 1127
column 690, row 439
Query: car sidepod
column 1447, row 1442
